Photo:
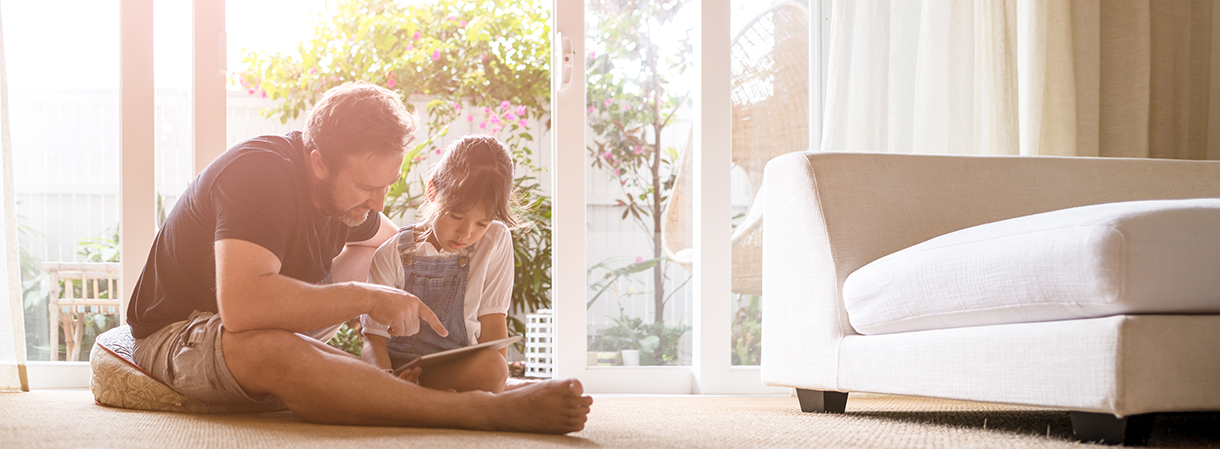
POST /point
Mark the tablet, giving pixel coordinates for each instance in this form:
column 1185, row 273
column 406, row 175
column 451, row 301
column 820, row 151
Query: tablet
column 438, row 358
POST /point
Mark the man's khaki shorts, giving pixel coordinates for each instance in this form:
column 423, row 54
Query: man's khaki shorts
column 187, row 356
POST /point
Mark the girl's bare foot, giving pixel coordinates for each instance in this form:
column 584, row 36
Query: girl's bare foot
column 552, row 406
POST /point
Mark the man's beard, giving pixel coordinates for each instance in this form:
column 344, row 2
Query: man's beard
column 348, row 218
column 330, row 208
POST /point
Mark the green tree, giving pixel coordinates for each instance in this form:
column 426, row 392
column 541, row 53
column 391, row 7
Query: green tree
column 486, row 62
column 632, row 97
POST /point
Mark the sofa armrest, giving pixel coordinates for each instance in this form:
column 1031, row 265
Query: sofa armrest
column 803, row 314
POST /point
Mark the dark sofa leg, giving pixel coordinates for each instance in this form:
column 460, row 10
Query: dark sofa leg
column 1105, row 428
column 822, row 401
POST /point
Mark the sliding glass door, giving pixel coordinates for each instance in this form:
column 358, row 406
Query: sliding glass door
column 650, row 194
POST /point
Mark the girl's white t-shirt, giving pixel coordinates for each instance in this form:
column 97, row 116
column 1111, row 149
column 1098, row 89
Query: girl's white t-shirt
column 489, row 283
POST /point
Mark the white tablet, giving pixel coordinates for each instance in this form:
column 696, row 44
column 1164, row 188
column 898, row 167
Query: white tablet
column 438, row 358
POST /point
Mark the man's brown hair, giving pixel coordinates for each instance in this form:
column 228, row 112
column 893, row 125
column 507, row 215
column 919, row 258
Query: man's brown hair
column 358, row 118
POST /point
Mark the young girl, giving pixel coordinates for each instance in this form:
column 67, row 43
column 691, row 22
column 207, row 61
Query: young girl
column 458, row 260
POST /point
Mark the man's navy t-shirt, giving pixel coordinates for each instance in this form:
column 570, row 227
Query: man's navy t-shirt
column 257, row 192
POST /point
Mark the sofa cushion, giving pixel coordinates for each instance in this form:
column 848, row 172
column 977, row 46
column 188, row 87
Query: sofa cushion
column 1137, row 257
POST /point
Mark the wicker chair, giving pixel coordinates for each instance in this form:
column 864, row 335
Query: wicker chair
column 770, row 63
column 87, row 288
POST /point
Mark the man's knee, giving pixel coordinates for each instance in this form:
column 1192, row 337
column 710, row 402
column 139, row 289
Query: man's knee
column 261, row 348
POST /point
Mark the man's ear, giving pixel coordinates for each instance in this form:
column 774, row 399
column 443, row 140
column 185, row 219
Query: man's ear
column 318, row 163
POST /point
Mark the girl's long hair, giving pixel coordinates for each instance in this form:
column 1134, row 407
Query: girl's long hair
column 474, row 170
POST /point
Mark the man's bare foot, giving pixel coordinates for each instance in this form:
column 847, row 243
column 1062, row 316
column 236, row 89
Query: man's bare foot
column 553, row 406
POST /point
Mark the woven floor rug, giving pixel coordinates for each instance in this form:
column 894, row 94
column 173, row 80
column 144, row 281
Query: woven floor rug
column 50, row 419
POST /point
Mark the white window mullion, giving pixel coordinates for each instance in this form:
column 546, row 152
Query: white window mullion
column 568, row 181
column 819, row 39
column 208, row 94
column 137, row 192
column 712, row 214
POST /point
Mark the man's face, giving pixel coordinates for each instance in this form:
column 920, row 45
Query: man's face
column 349, row 192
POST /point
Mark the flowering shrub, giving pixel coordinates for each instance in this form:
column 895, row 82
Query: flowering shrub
column 492, row 55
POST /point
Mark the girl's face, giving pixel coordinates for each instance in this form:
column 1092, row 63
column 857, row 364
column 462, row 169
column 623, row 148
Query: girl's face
column 457, row 230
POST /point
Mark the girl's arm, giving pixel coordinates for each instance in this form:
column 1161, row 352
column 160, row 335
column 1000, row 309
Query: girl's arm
column 494, row 327
column 375, row 351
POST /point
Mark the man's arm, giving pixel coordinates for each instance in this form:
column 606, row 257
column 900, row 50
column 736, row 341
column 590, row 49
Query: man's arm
column 251, row 294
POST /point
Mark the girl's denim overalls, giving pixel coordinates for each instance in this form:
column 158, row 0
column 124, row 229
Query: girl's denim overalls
column 441, row 284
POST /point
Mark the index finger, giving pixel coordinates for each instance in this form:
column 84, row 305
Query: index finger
column 428, row 316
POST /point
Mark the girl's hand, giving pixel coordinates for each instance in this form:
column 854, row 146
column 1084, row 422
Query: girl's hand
column 411, row 375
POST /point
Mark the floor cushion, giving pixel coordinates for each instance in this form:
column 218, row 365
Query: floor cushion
column 118, row 382
column 1137, row 257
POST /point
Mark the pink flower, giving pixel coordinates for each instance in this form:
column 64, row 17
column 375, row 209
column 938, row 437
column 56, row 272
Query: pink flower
column 495, row 130
column 590, row 109
column 495, row 119
column 607, row 102
column 484, row 56
column 639, row 149
column 470, row 118
column 624, row 107
column 462, row 24
column 607, row 155
column 263, row 92
column 438, row 151
column 483, row 124
column 618, row 172
column 391, row 83
column 592, row 54
column 521, row 110
column 436, row 55
column 313, row 70
column 486, row 110
column 511, row 117
column 416, row 36
column 639, row 259
column 523, row 122
column 410, row 47
column 251, row 91
column 457, row 106
column 504, row 105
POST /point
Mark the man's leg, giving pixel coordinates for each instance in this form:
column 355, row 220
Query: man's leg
column 322, row 384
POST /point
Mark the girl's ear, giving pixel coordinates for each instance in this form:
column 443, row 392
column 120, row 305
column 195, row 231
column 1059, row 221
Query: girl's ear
column 431, row 192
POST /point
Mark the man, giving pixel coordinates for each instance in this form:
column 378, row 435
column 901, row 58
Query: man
column 257, row 252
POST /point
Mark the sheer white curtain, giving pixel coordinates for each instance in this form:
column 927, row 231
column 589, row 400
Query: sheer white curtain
column 1036, row 77
column 12, row 324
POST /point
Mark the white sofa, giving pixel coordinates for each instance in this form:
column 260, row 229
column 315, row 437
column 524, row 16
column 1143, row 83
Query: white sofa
column 830, row 214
